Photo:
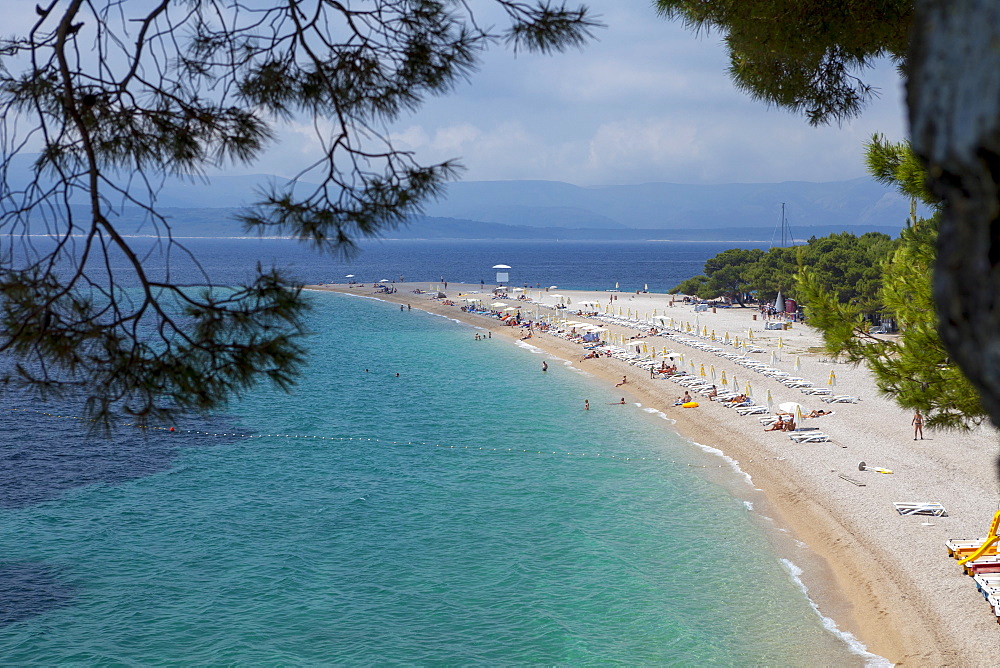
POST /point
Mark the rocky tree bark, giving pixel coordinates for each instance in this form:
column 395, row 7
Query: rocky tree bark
column 953, row 95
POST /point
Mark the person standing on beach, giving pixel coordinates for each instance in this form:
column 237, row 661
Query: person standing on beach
column 918, row 425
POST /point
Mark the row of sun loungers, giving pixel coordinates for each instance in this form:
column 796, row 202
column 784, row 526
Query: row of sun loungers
column 985, row 570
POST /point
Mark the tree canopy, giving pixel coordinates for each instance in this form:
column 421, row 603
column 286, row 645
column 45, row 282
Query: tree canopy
column 844, row 264
column 108, row 98
column 914, row 368
column 805, row 55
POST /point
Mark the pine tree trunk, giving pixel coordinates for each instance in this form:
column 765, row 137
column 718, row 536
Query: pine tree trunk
column 953, row 95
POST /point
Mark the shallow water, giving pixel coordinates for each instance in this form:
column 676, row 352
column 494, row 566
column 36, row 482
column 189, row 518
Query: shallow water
column 466, row 511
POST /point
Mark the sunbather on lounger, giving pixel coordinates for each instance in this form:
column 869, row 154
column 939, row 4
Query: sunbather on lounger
column 779, row 425
column 819, row 413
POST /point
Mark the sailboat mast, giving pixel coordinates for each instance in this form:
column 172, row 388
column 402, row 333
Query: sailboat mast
column 782, row 224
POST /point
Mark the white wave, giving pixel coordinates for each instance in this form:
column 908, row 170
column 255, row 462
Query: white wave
column 533, row 349
column 729, row 460
column 852, row 643
column 657, row 413
column 748, row 505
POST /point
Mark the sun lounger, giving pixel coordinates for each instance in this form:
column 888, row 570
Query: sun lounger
column 841, row 399
column 809, row 437
column 982, row 566
column 816, row 391
column 751, row 410
column 962, row 543
column 932, row 508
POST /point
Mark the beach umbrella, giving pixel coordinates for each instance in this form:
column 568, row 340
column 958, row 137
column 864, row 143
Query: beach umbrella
column 712, row 373
column 654, row 312
column 713, row 335
column 774, row 358
column 702, row 372
column 672, row 324
column 780, row 343
column 798, row 363
column 726, row 337
column 724, row 381
column 704, row 330
column 833, row 379
column 747, row 390
column 768, row 401
column 736, row 385
column 644, row 348
column 645, row 286
column 750, row 334
column 790, row 407
column 629, row 313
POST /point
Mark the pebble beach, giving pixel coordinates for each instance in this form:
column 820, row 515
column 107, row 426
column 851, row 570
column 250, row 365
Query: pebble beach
column 884, row 577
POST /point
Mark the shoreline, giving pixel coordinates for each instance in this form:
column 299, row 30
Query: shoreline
column 884, row 578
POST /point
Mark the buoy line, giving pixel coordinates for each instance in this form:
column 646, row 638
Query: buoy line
column 592, row 455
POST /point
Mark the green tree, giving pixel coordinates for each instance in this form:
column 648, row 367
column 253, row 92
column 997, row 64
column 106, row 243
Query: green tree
column 915, row 368
column 804, row 55
column 115, row 96
column 728, row 273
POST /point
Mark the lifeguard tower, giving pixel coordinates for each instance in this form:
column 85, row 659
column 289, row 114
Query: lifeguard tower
column 502, row 275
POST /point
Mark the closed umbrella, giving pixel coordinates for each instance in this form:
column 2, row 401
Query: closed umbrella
column 833, row 379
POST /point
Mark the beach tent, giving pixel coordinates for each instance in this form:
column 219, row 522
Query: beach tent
column 779, row 303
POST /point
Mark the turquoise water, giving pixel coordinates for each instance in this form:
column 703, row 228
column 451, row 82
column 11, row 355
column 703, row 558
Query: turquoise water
column 466, row 511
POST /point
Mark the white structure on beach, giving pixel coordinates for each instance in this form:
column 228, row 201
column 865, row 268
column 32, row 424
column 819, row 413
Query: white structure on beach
column 502, row 275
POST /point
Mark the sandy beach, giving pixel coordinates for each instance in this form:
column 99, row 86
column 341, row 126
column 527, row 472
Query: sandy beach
column 883, row 577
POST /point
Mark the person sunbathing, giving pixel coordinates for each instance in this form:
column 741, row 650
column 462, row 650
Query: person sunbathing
column 713, row 393
column 789, row 424
column 819, row 413
column 779, row 425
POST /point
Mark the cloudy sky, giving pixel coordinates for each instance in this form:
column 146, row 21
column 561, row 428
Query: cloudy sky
column 647, row 101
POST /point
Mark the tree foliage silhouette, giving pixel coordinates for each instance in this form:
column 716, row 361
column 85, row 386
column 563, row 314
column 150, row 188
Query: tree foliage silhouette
column 110, row 98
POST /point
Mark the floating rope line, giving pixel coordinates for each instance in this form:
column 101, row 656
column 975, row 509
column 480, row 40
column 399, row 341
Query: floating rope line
column 592, row 455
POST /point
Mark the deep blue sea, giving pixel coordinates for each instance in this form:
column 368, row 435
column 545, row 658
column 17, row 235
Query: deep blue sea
column 466, row 511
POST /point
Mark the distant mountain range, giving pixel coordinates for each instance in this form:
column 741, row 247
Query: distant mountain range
column 555, row 210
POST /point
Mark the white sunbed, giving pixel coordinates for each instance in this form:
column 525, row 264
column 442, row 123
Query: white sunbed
column 809, row 437
column 932, row 508
column 816, row 391
column 798, row 384
column 841, row 399
column 751, row 410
